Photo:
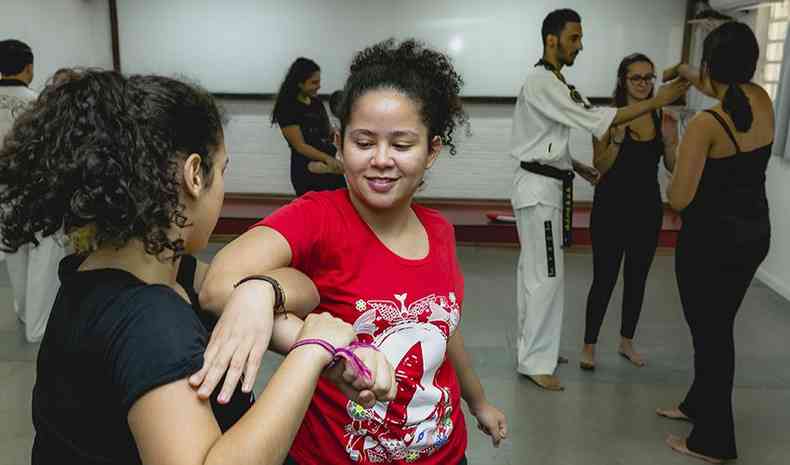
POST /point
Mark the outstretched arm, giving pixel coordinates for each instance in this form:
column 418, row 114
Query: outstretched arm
column 490, row 420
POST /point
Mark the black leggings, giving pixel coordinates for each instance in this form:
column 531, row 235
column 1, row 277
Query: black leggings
column 616, row 233
column 712, row 279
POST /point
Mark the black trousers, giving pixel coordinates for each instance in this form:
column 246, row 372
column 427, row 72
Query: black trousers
column 618, row 233
column 713, row 276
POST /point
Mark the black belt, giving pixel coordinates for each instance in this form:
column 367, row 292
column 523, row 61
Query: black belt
column 566, row 176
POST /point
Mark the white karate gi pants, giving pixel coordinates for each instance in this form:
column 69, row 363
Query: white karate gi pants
column 540, row 287
column 34, row 279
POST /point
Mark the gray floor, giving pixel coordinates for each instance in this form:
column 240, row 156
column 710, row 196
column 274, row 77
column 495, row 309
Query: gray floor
column 602, row 418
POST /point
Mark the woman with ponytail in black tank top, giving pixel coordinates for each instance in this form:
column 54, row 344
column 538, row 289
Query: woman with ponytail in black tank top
column 719, row 188
column 306, row 128
column 627, row 208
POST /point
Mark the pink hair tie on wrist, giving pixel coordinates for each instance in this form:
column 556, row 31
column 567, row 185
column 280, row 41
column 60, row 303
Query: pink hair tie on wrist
column 356, row 364
column 345, row 353
column 318, row 342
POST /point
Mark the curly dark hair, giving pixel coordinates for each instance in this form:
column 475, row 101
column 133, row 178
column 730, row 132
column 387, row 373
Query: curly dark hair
column 422, row 74
column 102, row 151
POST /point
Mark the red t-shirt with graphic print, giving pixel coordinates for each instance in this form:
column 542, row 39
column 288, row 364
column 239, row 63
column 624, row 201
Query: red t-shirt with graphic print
column 407, row 308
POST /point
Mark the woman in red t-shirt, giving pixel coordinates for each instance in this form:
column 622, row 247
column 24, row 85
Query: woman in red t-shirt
column 384, row 264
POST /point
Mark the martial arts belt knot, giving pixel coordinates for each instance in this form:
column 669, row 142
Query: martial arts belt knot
column 566, row 176
column 344, row 353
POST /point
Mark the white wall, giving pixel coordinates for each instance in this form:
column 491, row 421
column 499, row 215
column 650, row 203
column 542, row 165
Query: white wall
column 775, row 270
column 494, row 43
column 76, row 33
column 61, row 33
column 482, row 168
column 245, row 46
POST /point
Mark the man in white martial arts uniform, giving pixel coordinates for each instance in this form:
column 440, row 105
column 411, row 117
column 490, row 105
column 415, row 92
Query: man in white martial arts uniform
column 33, row 270
column 546, row 110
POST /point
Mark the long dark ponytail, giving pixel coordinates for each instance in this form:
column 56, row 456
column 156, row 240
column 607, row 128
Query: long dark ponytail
column 729, row 56
column 299, row 71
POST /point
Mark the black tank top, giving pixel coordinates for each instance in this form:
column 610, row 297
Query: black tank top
column 731, row 199
column 633, row 178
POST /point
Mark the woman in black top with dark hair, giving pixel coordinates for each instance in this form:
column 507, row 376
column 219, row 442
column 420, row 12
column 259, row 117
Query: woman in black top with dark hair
column 305, row 125
column 719, row 187
column 627, row 209
column 134, row 167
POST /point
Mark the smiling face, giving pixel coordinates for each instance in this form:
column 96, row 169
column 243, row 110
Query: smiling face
column 310, row 87
column 639, row 80
column 386, row 150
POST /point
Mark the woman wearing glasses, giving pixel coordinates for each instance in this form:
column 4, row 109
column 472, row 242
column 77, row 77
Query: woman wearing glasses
column 627, row 208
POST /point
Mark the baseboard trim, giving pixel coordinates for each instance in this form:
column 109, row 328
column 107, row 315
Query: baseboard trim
column 774, row 283
column 241, row 211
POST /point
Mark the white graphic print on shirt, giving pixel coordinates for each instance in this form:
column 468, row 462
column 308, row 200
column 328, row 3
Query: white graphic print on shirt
column 418, row 421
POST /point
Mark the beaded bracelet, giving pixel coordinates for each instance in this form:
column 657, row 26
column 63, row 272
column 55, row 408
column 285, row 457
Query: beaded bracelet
column 345, row 353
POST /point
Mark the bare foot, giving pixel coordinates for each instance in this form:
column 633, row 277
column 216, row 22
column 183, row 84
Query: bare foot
column 678, row 444
column 672, row 414
column 627, row 350
column 587, row 361
column 547, row 382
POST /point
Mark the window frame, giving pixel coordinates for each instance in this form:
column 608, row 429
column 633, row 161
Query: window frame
column 773, row 14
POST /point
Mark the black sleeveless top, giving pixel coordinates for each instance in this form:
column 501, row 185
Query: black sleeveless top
column 227, row 415
column 730, row 201
column 633, row 178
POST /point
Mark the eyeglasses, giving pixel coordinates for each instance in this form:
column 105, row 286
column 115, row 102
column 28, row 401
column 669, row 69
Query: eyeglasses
column 647, row 79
